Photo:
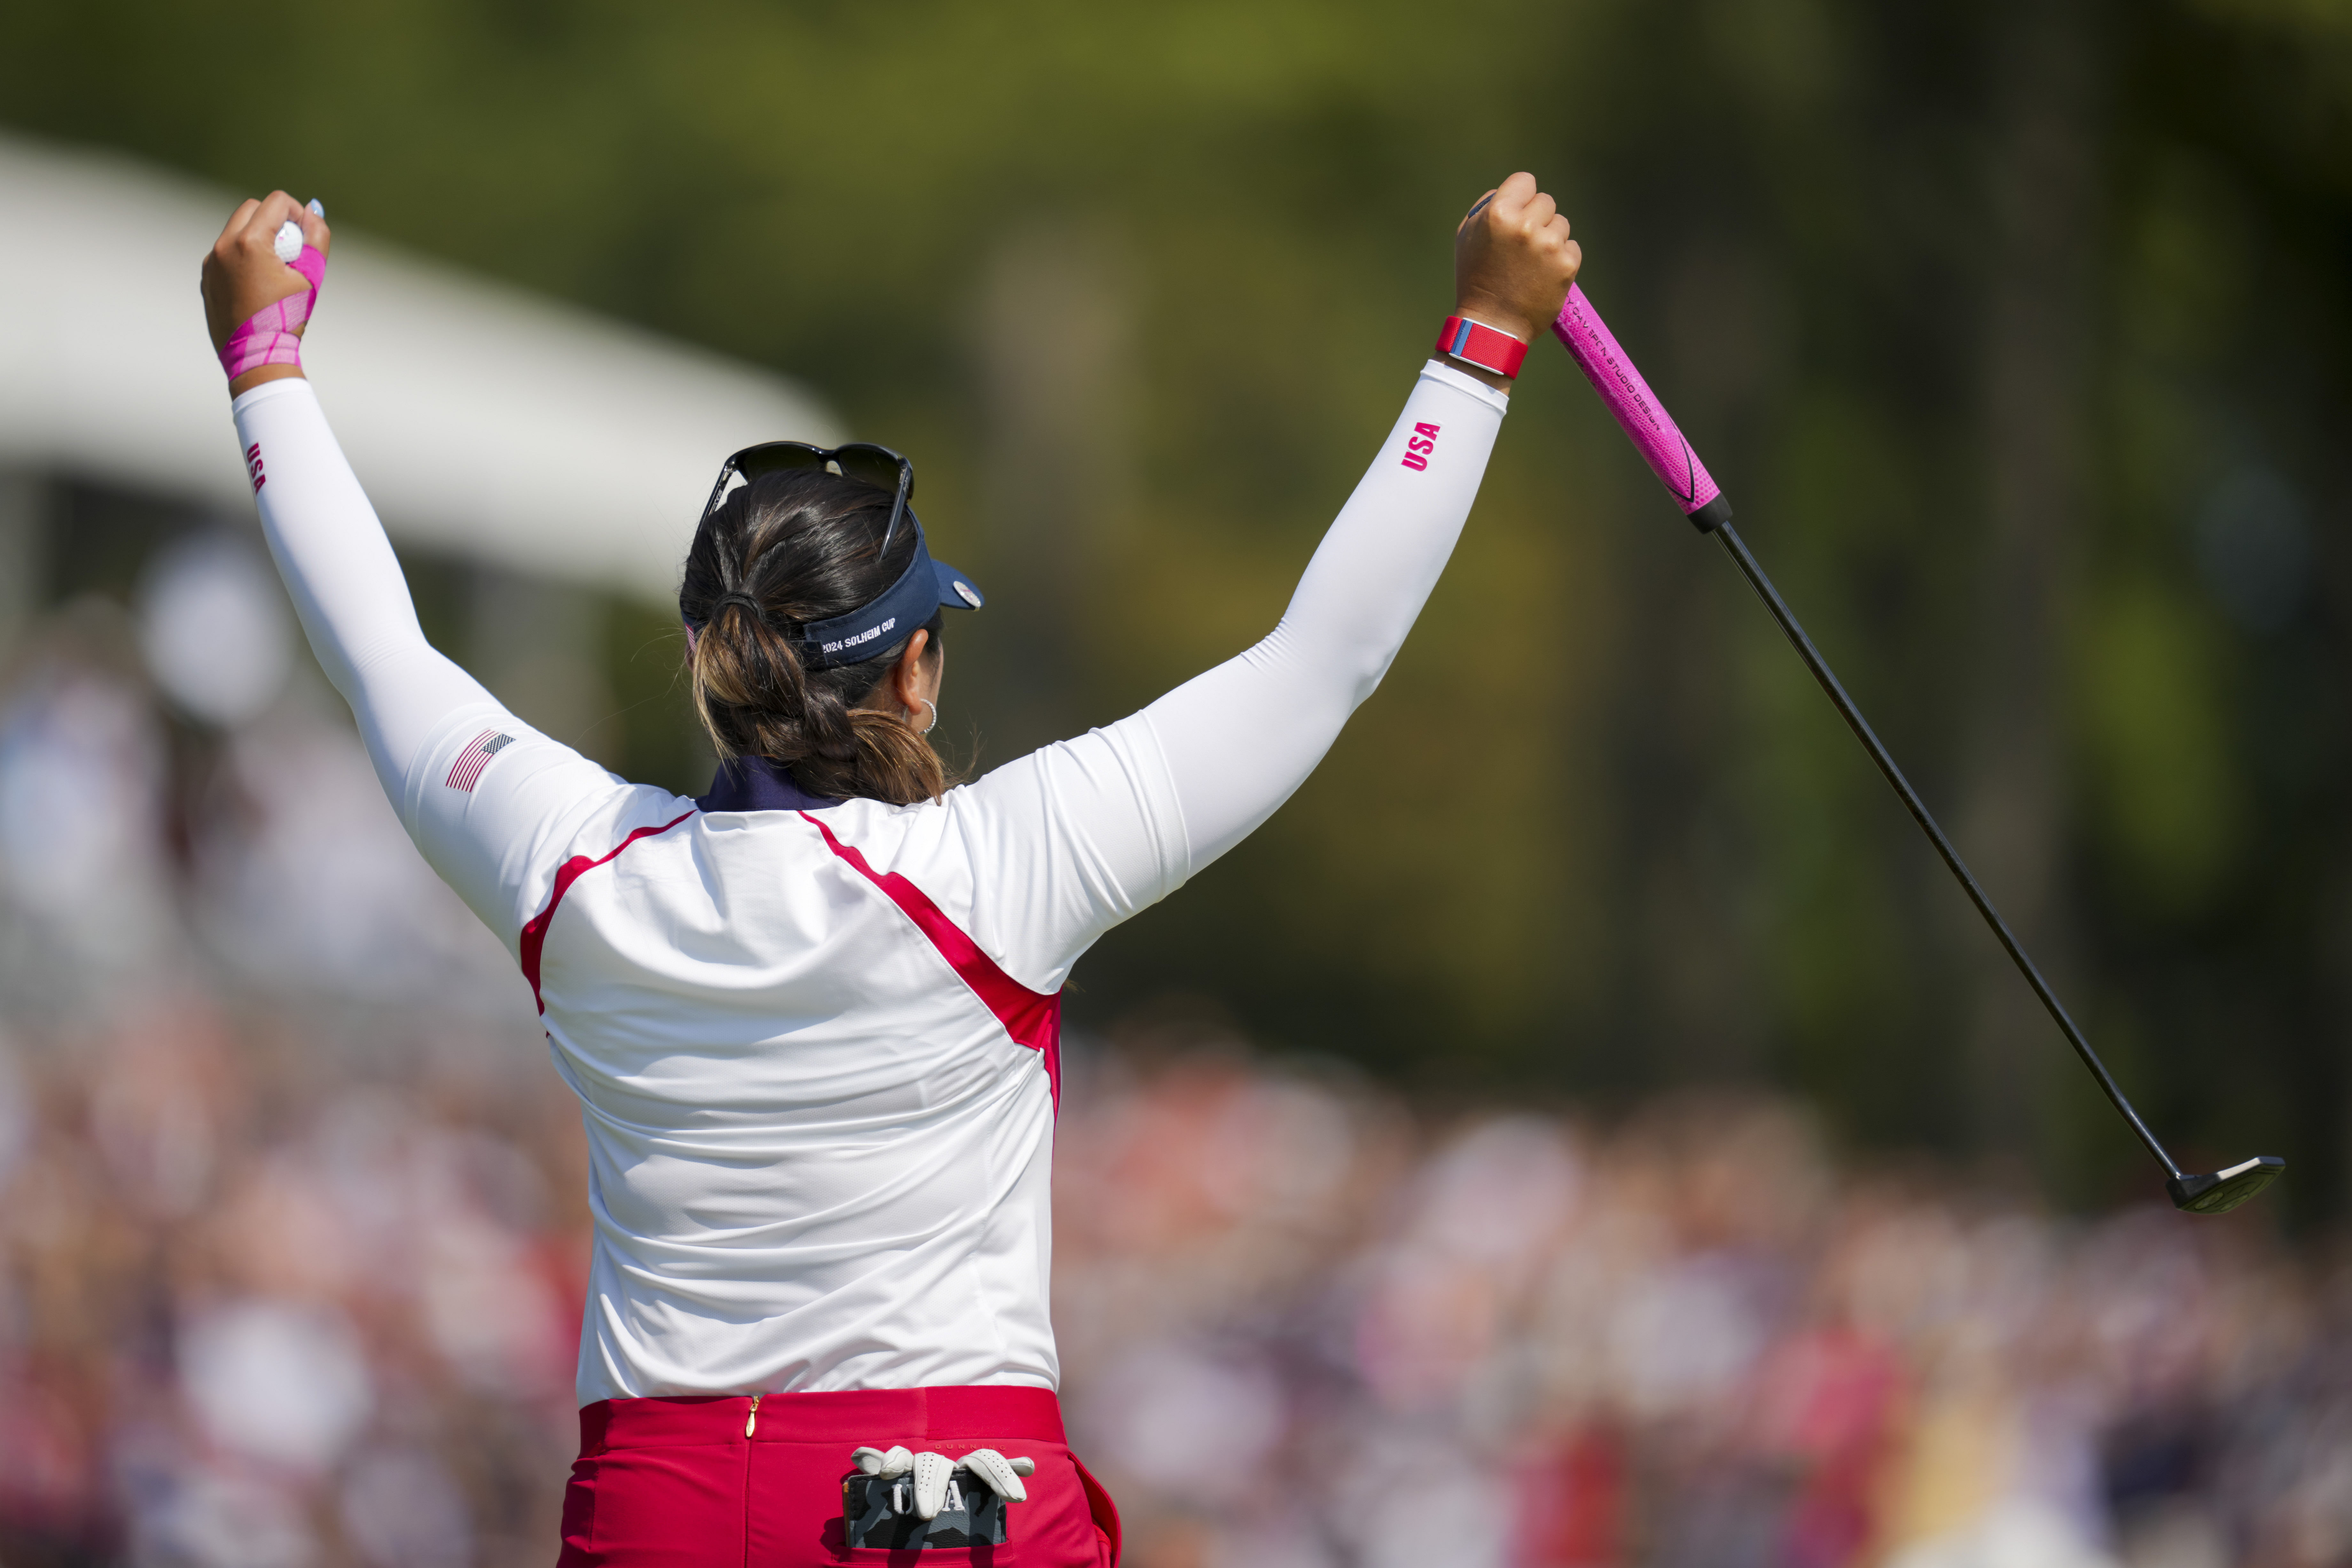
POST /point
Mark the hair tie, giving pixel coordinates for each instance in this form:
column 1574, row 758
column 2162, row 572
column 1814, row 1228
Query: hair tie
column 737, row 596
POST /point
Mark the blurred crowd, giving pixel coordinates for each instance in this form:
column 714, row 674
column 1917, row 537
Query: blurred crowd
column 292, row 1238
column 264, row 1310
column 1303, row 1326
column 293, row 1211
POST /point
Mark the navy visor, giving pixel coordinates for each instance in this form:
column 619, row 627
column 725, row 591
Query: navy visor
column 923, row 587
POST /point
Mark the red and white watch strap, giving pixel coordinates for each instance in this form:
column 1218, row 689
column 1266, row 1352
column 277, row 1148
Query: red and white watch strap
column 1474, row 343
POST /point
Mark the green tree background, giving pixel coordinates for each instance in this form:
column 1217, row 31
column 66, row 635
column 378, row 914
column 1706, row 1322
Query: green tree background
column 2016, row 330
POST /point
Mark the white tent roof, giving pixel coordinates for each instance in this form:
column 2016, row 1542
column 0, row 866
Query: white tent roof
column 485, row 422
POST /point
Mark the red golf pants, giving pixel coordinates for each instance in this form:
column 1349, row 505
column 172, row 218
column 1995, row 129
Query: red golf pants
column 675, row 1483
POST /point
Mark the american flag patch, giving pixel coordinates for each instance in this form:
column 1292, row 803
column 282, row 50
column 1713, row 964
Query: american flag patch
column 477, row 756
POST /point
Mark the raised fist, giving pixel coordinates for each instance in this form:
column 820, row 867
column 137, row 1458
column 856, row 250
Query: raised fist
column 1513, row 259
column 243, row 272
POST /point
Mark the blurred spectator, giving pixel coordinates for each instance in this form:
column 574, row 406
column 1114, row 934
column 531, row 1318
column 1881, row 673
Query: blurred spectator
column 214, row 627
column 85, row 885
column 306, row 880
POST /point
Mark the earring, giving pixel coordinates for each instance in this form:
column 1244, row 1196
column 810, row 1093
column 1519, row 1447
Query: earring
column 935, row 719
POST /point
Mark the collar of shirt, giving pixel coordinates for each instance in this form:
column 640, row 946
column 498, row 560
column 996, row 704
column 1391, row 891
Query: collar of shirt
column 760, row 784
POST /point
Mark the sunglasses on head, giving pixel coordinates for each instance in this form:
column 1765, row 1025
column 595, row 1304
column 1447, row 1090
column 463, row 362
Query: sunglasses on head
column 862, row 460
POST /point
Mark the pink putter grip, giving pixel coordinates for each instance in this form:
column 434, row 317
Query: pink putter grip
column 1638, row 410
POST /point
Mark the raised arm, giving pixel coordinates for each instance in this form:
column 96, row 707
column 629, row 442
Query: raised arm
column 1242, row 738
column 338, row 568
column 1077, row 837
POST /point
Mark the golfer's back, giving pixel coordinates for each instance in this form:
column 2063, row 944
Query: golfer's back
column 816, row 1043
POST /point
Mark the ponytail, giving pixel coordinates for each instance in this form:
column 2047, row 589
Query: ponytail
column 786, row 550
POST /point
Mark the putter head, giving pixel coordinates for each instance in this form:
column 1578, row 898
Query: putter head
column 2225, row 1190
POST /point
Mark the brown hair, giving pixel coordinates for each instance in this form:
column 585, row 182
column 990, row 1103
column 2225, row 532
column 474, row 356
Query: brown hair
column 802, row 546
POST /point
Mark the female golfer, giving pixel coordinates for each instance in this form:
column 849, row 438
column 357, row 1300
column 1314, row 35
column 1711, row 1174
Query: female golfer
column 813, row 1017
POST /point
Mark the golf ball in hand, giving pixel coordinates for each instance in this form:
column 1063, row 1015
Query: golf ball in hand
column 290, row 241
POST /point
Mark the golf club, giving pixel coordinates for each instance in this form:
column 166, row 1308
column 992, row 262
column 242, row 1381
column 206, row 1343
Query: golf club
column 1652, row 432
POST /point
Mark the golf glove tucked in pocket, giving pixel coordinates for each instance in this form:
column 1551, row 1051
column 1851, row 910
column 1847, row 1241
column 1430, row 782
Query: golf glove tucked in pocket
column 905, row 1500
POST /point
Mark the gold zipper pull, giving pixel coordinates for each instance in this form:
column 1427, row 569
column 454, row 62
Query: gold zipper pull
column 752, row 1420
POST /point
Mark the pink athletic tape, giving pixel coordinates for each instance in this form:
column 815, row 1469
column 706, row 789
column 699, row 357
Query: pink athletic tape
column 268, row 336
column 1637, row 408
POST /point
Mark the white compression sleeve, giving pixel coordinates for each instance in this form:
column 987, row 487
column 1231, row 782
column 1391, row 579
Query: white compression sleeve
column 345, row 580
column 1242, row 738
column 1239, row 739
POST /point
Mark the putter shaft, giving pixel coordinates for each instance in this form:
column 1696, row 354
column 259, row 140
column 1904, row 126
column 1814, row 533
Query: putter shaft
column 1738, row 548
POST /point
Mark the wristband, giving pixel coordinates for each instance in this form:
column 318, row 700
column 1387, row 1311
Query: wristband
column 268, row 337
column 1474, row 343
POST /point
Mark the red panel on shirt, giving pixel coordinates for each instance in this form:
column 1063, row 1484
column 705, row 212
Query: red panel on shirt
column 534, row 935
column 1033, row 1018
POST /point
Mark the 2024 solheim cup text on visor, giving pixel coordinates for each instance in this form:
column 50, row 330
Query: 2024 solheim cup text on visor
column 813, row 1015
